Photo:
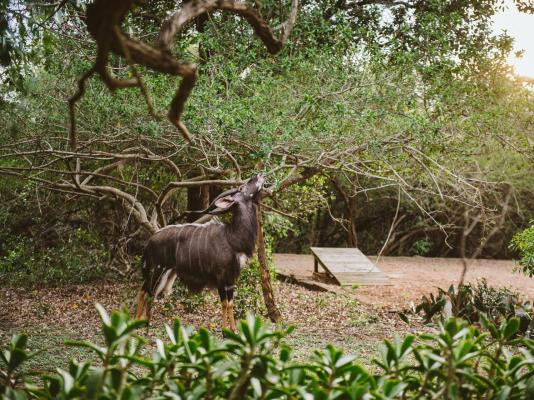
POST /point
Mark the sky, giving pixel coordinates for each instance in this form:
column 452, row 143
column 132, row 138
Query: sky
column 521, row 27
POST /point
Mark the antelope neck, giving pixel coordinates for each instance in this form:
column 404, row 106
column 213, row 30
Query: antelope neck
column 242, row 231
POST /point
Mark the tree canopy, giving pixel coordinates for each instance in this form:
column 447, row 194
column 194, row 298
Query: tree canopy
column 398, row 120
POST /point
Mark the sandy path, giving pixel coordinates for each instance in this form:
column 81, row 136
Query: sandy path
column 411, row 277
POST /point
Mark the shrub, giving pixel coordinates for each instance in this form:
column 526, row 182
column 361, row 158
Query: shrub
column 81, row 257
column 458, row 362
column 473, row 300
column 523, row 242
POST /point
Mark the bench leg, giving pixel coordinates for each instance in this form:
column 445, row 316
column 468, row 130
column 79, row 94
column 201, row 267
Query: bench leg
column 315, row 265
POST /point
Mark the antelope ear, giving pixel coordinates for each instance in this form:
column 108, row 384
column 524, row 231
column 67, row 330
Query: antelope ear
column 223, row 204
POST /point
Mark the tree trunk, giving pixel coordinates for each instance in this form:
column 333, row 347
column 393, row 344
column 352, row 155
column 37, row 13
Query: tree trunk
column 198, row 198
column 352, row 236
column 268, row 296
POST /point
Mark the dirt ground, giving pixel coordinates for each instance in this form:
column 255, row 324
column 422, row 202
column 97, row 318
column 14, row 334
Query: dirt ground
column 52, row 315
column 355, row 319
column 413, row 277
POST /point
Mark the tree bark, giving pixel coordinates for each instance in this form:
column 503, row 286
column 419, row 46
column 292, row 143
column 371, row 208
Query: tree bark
column 268, row 296
column 198, row 198
column 352, row 235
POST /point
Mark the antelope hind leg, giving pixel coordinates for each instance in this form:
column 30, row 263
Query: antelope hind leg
column 224, row 304
column 168, row 285
column 231, row 315
column 224, row 308
column 141, row 303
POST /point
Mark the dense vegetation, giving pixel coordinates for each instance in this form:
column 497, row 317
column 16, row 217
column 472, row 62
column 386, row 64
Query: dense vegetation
column 523, row 242
column 457, row 362
column 394, row 126
column 473, row 302
column 399, row 122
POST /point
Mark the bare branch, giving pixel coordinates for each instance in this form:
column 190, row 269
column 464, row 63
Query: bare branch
column 104, row 19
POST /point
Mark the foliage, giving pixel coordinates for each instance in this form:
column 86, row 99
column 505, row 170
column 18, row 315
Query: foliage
column 410, row 97
column 523, row 242
column 421, row 247
column 473, row 302
column 49, row 240
column 81, row 257
column 457, row 362
column 248, row 297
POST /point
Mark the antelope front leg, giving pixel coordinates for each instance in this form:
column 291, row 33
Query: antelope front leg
column 230, row 296
column 149, row 303
column 224, row 304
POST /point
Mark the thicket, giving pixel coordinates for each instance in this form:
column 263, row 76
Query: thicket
column 459, row 361
column 474, row 302
column 523, row 243
column 409, row 128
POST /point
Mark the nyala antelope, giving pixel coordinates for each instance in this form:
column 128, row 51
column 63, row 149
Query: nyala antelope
column 202, row 256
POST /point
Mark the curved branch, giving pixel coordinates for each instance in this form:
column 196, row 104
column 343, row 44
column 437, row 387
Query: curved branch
column 104, row 18
column 172, row 186
column 177, row 21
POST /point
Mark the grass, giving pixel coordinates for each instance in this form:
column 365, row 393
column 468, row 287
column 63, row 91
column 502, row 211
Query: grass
column 52, row 351
column 304, row 343
column 55, row 354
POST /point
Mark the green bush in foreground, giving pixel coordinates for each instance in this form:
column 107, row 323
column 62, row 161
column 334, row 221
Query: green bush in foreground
column 458, row 362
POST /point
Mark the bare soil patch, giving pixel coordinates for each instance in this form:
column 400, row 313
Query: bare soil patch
column 413, row 277
column 51, row 315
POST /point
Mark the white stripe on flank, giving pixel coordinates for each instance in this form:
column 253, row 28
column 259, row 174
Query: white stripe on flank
column 206, row 237
column 162, row 283
column 190, row 244
column 198, row 245
column 200, row 242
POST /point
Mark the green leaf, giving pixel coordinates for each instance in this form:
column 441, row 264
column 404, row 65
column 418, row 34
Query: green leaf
column 511, row 328
column 285, row 353
column 101, row 351
column 403, row 317
column 408, row 340
column 68, row 380
column 104, row 316
column 95, row 380
column 17, row 357
column 529, row 390
column 19, row 341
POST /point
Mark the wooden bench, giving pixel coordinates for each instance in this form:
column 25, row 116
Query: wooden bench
column 348, row 266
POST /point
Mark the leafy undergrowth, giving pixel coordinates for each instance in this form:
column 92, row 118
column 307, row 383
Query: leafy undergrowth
column 523, row 243
column 459, row 361
column 471, row 302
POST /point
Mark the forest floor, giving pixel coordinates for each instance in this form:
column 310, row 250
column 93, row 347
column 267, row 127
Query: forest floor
column 355, row 319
